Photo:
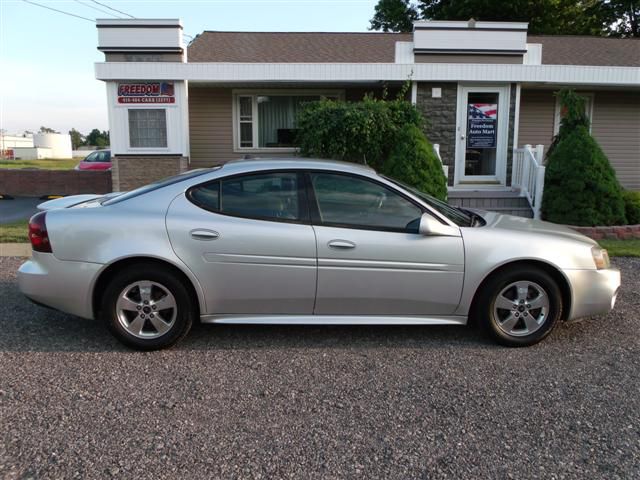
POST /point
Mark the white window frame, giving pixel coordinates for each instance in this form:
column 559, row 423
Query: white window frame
column 588, row 109
column 254, row 94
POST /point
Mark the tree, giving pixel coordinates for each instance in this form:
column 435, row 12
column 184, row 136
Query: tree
column 385, row 134
column 47, row 130
column 77, row 139
column 624, row 18
column 581, row 187
column 394, row 16
column 550, row 17
column 97, row 138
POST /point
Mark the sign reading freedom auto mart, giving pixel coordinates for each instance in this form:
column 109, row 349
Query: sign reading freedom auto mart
column 149, row 92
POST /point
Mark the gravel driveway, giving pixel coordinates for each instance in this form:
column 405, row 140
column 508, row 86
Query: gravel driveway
column 283, row 402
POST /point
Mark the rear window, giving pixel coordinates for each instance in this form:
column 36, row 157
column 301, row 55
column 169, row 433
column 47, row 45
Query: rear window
column 159, row 184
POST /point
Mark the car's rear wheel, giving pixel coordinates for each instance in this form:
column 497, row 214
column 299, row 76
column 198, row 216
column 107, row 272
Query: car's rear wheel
column 519, row 307
column 147, row 308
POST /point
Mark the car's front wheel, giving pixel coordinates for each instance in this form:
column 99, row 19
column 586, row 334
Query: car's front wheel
column 519, row 307
column 147, row 308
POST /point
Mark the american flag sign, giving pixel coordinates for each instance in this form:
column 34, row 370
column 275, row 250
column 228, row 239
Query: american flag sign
column 483, row 110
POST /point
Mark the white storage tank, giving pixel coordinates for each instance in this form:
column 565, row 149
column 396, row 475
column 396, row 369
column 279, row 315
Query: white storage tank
column 59, row 143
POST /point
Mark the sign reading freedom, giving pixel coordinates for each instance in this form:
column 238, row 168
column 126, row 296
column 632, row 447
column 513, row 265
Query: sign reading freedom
column 152, row 92
column 481, row 125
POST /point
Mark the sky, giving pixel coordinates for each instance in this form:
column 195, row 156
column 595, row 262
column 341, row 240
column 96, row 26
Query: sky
column 47, row 58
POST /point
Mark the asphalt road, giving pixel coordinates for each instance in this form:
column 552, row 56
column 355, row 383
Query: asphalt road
column 282, row 402
column 20, row 208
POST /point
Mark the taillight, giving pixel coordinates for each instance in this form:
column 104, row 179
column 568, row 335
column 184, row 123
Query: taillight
column 38, row 233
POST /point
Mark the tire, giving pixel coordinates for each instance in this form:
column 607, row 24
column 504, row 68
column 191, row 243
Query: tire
column 161, row 322
column 519, row 307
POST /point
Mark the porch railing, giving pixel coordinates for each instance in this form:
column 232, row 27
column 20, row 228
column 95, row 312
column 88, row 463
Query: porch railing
column 528, row 175
column 445, row 168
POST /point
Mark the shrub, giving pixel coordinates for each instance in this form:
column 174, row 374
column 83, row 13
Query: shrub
column 360, row 132
column 413, row 161
column 632, row 206
column 580, row 185
column 385, row 134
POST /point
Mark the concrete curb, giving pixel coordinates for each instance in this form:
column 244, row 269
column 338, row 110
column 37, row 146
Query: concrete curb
column 15, row 249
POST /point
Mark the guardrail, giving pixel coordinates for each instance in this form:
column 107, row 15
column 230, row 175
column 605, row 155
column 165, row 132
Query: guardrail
column 527, row 175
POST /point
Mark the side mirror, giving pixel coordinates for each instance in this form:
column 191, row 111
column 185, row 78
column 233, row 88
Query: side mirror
column 431, row 227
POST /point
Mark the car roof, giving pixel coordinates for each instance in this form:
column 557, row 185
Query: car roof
column 279, row 163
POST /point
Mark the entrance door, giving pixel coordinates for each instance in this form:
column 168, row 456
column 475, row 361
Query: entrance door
column 482, row 129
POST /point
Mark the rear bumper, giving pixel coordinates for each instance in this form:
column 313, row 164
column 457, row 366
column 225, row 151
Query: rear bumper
column 594, row 292
column 59, row 284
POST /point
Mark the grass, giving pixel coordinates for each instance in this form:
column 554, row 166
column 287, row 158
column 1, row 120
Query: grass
column 15, row 232
column 45, row 163
column 621, row 248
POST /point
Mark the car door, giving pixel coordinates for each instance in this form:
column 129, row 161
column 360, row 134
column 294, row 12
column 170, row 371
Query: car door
column 371, row 258
column 248, row 240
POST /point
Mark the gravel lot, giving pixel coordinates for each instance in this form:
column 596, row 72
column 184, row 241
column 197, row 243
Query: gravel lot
column 282, row 402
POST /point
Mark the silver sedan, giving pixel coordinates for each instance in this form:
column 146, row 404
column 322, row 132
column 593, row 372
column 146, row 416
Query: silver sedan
column 298, row 241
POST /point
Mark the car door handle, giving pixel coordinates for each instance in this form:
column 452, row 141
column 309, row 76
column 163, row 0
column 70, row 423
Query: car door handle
column 341, row 244
column 202, row 234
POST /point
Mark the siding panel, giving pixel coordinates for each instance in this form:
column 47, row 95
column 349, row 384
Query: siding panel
column 616, row 127
column 211, row 126
column 537, row 108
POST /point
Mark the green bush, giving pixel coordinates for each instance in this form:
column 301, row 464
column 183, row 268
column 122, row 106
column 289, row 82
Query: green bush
column 385, row 134
column 632, row 206
column 580, row 185
column 360, row 132
column 413, row 161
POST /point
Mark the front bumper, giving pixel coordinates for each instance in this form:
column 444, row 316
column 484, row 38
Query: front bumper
column 59, row 284
column 593, row 292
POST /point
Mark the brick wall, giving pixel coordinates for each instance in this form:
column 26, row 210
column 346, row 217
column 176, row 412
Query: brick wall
column 36, row 183
column 129, row 172
column 623, row 232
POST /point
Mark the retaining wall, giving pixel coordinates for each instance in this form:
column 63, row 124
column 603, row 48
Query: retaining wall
column 36, row 183
column 623, row 232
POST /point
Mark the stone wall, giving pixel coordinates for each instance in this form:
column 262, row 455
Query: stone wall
column 510, row 134
column 623, row 232
column 440, row 119
column 440, row 115
column 37, row 183
column 129, row 172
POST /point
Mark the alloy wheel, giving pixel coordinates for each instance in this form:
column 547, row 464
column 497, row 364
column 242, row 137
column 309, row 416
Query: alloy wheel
column 521, row 308
column 146, row 309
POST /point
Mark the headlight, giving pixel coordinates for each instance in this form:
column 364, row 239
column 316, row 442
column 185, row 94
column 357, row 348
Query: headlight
column 600, row 258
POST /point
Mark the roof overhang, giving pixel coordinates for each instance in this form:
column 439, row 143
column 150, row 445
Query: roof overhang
column 360, row 72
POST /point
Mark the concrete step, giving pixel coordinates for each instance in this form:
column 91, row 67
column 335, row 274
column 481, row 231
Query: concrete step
column 507, row 202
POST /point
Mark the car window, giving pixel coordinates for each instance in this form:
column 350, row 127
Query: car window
column 206, row 196
column 103, row 157
column 263, row 196
column 272, row 195
column 456, row 215
column 92, row 157
column 345, row 200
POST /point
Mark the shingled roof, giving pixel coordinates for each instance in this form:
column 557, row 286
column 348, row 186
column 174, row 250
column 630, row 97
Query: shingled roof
column 373, row 47
column 295, row 47
column 580, row 50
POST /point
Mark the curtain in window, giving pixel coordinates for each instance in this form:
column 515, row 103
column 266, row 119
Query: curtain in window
column 276, row 118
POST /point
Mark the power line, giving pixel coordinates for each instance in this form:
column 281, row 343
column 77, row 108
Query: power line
column 96, row 8
column 114, row 9
column 59, row 11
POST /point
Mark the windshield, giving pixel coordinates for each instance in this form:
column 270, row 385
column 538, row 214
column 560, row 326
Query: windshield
column 159, row 184
column 456, row 216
